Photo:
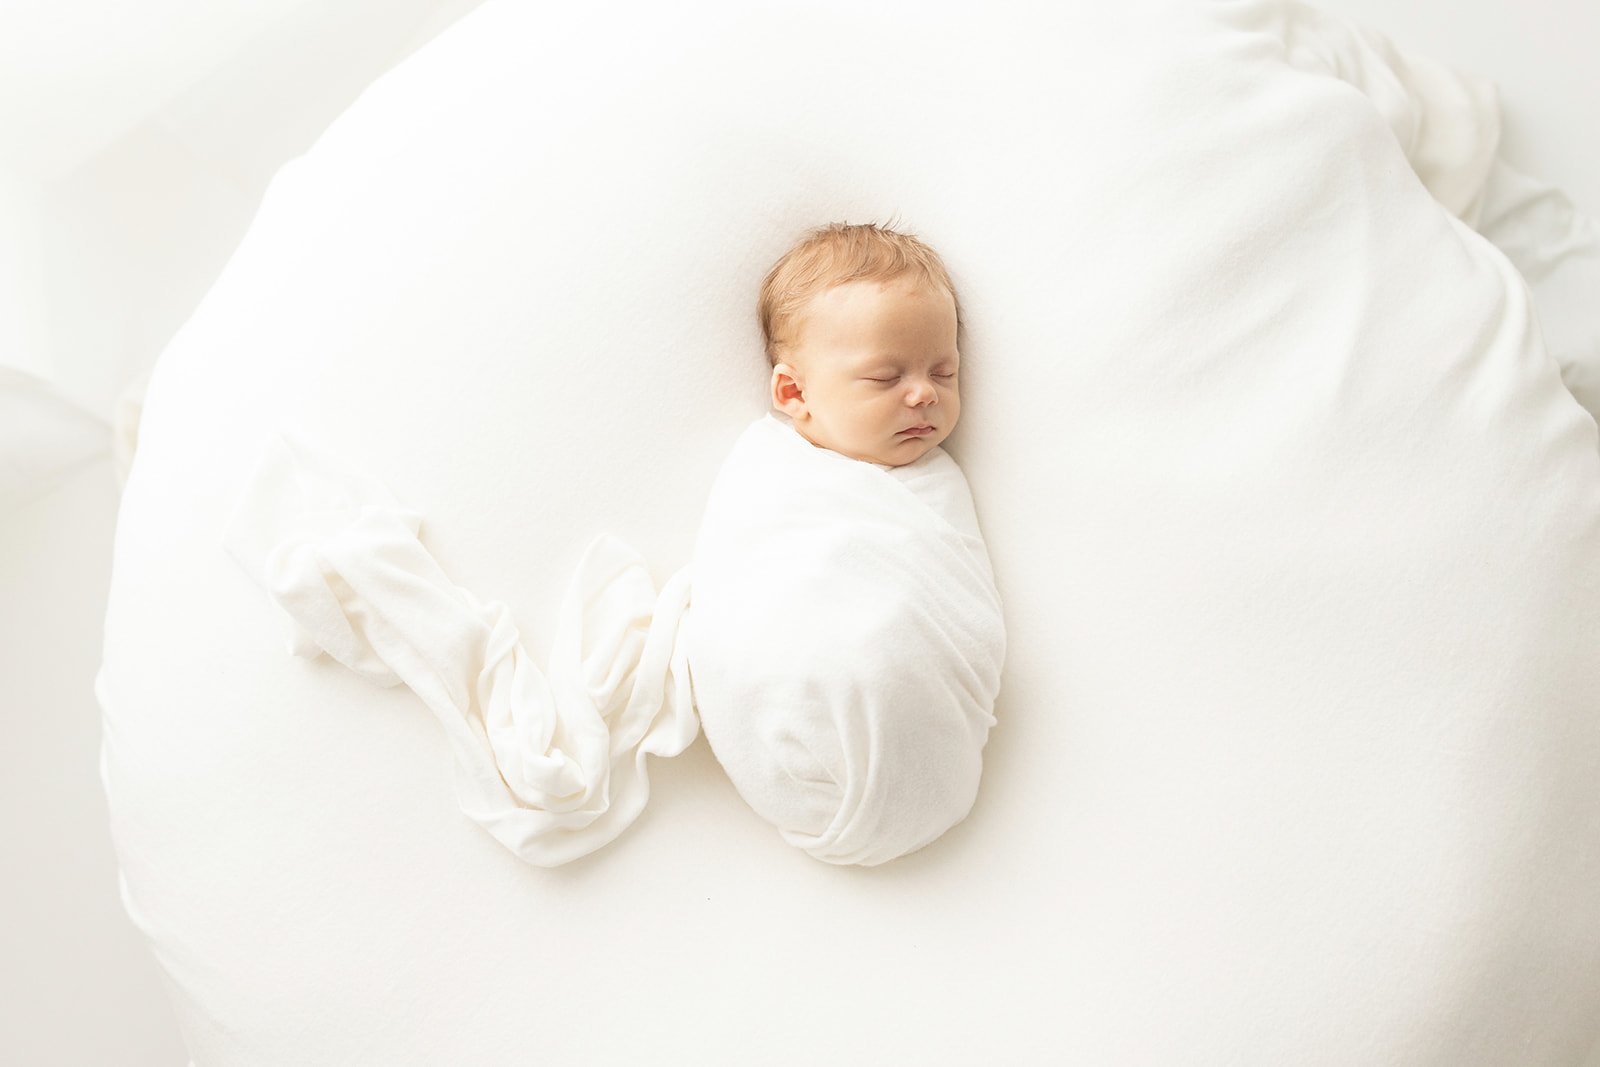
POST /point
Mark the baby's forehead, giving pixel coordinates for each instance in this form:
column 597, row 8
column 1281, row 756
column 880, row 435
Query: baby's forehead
column 865, row 296
column 903, row 317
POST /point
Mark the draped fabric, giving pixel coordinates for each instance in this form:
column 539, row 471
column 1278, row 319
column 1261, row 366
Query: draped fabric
column 850, row 693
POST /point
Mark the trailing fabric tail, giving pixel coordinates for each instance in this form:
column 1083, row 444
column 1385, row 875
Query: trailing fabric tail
column 552, row 763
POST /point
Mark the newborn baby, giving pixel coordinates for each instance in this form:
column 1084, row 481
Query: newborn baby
column 845, row 638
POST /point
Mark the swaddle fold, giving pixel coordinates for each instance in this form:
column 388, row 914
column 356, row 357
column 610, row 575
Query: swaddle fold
column 551, row 763
column 845, row 642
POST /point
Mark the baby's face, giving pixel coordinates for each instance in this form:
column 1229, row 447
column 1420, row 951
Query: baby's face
column 873, row 373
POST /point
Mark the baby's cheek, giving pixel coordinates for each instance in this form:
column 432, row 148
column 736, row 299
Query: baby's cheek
column 954, row 405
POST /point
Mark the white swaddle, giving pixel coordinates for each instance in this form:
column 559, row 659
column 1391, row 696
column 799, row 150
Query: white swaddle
column 845, row 643
column 850, row 648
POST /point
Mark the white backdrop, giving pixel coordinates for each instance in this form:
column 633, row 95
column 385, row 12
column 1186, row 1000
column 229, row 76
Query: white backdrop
column 135, row 142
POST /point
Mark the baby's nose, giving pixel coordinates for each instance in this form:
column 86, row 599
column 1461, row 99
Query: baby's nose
column 920, row 391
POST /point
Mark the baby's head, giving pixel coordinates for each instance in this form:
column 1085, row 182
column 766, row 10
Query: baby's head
column 861, row 324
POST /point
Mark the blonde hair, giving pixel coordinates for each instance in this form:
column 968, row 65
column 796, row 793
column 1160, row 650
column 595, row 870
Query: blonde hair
column 834, row 255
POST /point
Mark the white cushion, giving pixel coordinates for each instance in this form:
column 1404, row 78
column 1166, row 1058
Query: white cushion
column 1297, row 530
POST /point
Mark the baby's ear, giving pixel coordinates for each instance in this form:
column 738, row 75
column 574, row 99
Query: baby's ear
column 788, row 393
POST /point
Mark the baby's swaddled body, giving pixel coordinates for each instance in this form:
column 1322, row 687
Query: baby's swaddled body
column 845, row 643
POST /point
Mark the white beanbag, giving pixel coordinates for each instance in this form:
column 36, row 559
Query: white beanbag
column 1296, row 529
column 845, row 643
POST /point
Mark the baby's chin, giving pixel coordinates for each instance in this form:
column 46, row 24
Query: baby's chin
column 909, row 450
column 903, row 450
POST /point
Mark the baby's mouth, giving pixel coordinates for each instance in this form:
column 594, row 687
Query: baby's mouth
column 915, row 431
